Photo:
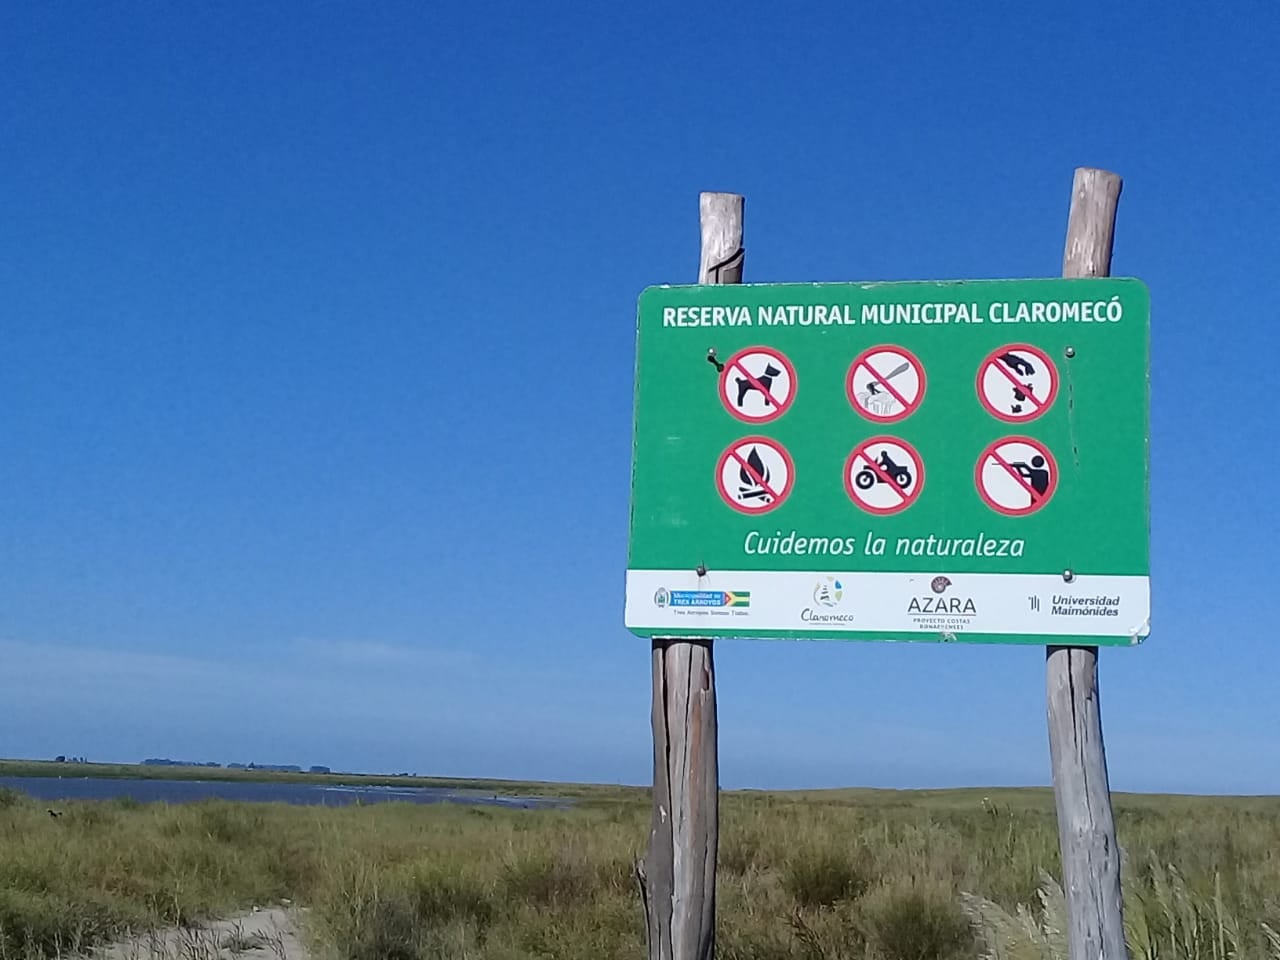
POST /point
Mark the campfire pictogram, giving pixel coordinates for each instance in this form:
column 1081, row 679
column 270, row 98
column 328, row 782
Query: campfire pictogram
column 752, row 488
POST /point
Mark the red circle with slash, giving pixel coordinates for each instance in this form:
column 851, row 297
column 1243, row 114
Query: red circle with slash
column 1016, row 476
column 1003, row 380
column 758, row 384
column 884, row 488
column 871, row 391
column 755, row 475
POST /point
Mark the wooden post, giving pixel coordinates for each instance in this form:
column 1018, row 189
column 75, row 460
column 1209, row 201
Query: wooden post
column 678, row 875
column 1086, row 825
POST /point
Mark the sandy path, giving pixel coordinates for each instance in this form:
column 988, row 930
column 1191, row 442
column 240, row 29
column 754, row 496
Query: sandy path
column 266, row 934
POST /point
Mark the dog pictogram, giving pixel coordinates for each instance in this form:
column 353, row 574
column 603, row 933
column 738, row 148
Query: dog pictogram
column 757, row 384
column 763, row 383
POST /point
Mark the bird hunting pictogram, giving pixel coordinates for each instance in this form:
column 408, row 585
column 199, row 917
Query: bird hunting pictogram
column 1016, row 476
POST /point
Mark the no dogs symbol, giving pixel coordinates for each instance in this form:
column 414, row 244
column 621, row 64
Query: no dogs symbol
column 1017, row 383
column 755, row 475
column 1016, row 476
column 757, row 384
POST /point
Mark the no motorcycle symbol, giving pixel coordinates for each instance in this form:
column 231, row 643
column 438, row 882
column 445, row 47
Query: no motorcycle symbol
column 884, row 475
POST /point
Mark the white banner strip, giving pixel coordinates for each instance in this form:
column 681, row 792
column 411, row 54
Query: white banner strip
column 899, row 603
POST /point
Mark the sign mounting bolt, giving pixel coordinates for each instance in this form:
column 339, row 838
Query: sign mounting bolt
column 1071, row 352
column 1068, row 575
column 711, row 359
column 701, row 570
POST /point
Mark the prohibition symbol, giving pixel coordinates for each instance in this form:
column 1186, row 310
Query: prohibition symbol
column 1016, row 476
column 885, row 384
column 757, row 384
column 1017, row 383
column 884, row 475
column 755, row 475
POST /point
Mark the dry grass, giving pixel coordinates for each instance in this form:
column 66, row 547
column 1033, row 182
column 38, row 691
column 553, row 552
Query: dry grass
column 856, row 875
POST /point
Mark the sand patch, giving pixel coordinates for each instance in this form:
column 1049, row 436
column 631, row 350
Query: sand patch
column 259, row 934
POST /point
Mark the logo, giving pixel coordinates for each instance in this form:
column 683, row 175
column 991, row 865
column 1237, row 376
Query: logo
column 1073, row 606
column 828, row 592
column 937, row 612
column 1035, row 603
column 703, row 598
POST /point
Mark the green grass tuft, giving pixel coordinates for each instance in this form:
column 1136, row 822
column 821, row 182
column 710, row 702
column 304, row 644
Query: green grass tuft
column 918, row 923
column 840, row 875
column 822, row 878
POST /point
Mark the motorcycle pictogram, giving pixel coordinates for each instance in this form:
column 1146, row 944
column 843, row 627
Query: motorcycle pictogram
column 866, row 478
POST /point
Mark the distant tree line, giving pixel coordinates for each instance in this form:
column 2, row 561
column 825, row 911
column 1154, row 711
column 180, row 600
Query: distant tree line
column 272, row 767
column 166, row 762
column 162, row 762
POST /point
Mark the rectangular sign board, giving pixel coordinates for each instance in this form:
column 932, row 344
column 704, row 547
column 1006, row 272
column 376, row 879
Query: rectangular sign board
column 936, row 461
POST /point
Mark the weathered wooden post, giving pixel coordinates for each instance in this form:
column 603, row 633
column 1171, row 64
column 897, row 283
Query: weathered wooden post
column 1086, row 825
column 678, row 876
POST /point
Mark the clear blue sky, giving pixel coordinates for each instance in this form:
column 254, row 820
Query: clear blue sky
column 316, row 333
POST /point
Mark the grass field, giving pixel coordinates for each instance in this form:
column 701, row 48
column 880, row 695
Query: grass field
column 872, row 875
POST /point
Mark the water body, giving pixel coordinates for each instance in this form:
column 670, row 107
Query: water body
column 53, row 789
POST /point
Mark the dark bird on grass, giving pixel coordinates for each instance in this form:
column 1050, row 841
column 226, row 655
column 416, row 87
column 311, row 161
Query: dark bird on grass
column 55, row 814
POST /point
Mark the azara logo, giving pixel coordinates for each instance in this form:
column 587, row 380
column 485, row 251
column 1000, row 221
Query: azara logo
column 939, row 605
column 929, row 606
column 828, row 592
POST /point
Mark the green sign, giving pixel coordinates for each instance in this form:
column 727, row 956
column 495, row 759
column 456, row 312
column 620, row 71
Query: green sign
column 962, row 461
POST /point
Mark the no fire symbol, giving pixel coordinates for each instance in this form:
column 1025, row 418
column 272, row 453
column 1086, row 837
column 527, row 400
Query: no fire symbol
column 884, row 475
column 757, row 384
column 885, row 384
column 755, row 475
column 1017, row 383
column 1016, row 476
